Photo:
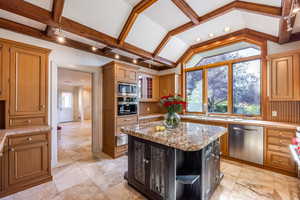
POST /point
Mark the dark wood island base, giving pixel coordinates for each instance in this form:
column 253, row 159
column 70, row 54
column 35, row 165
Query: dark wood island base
column 164, row 173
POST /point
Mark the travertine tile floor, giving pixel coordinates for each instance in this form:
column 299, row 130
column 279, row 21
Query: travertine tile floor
column 81, row 177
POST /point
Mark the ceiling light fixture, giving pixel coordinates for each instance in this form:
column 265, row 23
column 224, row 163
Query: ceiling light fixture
column 198, row 39
column 134, row 61
column 117, row 56
column 296, row 7
column 211, row 35
column 94, row 48
column 227, row 29
column 60, row 36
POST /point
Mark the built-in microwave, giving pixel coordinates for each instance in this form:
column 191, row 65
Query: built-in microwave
column 125, row 89
column 127, row 105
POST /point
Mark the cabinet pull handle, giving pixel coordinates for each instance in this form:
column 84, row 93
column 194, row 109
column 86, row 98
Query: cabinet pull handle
column 146, row 161
column 42, row 106
column 29, row 121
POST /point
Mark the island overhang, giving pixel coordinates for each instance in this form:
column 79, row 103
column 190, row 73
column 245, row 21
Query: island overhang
column 187, row 137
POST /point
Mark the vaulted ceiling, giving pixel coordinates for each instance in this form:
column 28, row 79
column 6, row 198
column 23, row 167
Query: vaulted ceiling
column 156, row 31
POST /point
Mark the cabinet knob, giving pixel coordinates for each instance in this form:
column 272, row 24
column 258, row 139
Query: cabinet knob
column 12, row 149
column 29, row 121
column 146, row 161
column 29, row 139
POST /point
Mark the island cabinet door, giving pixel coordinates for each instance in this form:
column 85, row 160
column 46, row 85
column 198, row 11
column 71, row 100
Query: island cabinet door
column 137, row 163
column 211, row 169
column 161, row 168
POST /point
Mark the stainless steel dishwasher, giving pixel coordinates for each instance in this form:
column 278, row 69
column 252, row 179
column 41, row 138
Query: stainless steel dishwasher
column 246, row 143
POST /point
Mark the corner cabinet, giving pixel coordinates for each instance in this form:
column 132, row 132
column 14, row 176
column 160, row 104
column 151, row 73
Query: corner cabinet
column 148, row 168
column 148, row 88
column 284, row 77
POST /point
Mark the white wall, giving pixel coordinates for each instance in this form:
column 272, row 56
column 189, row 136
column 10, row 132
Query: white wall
column 274, row 48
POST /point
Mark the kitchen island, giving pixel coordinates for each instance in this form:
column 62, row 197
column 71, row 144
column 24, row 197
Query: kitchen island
column 183, row 163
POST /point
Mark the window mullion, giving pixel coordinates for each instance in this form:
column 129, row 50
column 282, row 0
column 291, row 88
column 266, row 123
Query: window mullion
column 230, row 88
column 205, row 91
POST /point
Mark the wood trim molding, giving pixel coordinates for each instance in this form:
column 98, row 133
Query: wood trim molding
column 247, row 6
column 138, row 9
column 187, row 10
column 284, row 35
column 26, row 30
column 44, row 16
column 241, row 35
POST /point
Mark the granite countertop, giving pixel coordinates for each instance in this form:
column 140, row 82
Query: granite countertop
column 235, row 120
column 19, row 131
column 187, row 137
column 150, row 116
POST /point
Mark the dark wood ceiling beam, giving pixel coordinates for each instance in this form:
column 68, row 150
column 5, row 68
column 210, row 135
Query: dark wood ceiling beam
column 138, row 9
column 57, row 10
column 36, row 13
column 240, row 5
column 247, row 33
column 284, row 34
column 187, row 10
column 26, row 30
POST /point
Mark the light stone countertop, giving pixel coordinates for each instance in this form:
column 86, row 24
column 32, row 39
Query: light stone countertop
column 19, row 131
column 187, row 137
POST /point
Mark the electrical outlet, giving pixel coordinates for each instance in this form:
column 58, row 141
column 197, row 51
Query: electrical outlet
column 148, row 109
column 274, row 113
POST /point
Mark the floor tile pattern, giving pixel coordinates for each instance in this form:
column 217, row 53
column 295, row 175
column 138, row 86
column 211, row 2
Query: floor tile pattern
column 79, row 176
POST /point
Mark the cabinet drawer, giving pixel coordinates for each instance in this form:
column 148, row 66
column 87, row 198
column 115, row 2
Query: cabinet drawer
column 280, row 161
column 282, row 149
column 280, row 133
column 15, row 122
column 279, row 141
column 121, row 149
column 128, row 120
column 27, row 139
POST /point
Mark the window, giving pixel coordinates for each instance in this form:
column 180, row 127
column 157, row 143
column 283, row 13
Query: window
column 242, row 53
column 67, row 99
column 246, row 87
column 217, row 89
column 194, row 91
column 228, row 81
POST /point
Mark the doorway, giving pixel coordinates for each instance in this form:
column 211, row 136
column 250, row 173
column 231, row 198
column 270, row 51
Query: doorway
column 74, row 97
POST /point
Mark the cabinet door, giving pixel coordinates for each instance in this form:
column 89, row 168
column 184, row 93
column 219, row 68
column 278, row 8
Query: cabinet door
column 131, row 76
column 158, row 172
column 137, row 163
column 224, row 144
column 2, row 78
column 28, row 82
column 208, row 178
column 282, row 83
column 28, row 162
column 1, row 174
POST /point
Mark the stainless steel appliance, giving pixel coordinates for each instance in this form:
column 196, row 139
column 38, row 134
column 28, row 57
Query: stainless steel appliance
column 246, row 143
column 122, row 139
column 127, row 106
column 127, row 89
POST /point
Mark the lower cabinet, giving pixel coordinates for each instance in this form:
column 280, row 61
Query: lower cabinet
column 25, row 163
column 210, row 169
column 148, row 168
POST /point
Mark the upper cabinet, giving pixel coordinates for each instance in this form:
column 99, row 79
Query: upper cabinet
column 148, row 88
column 169, row 84
column 126, row 74
column 284, row 77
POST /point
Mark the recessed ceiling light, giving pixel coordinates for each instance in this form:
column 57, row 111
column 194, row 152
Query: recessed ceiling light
column 198, row 39
column 227, row 29
column 117, row 56
column 94, row 48
column 211, row 35
column 134, row 61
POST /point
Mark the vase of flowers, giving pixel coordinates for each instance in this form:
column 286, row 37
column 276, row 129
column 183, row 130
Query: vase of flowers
column 174, row 104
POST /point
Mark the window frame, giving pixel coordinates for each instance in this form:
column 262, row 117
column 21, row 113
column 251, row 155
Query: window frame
column 229, row 64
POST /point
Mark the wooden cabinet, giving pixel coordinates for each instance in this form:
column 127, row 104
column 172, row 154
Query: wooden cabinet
column 149, row 168
column 277, row 150
column 126, row 74
column 148, row 87
column 284, row 77
column 2, row 172
column 168, row 85
column 224, row 145
column 28, row 82
column 2, row 78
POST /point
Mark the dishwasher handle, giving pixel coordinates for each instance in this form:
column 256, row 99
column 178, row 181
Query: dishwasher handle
column 243, row 129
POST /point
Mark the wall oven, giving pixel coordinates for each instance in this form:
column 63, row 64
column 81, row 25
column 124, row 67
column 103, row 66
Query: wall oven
column 127, row 106
column 127, row 89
